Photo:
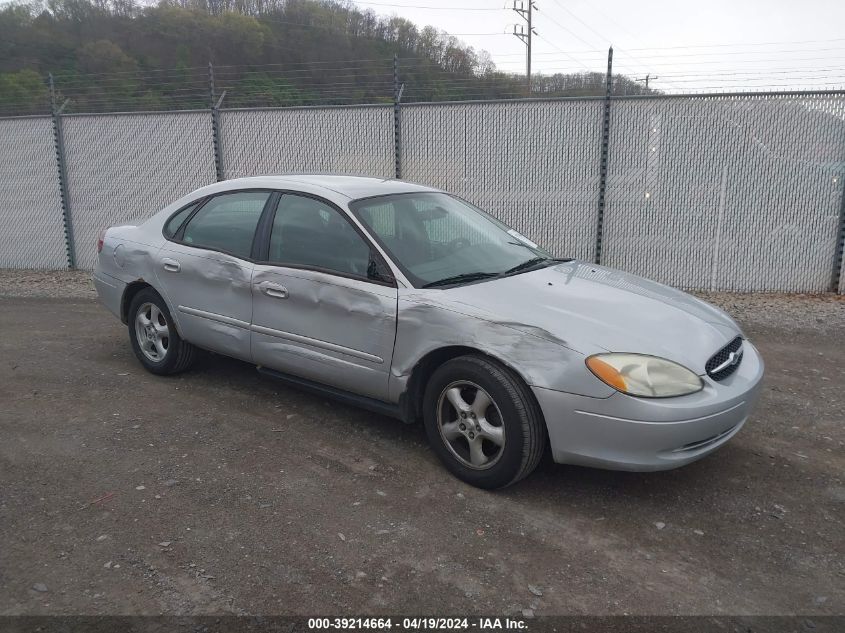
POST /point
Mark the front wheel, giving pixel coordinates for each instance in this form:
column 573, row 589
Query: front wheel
column 153, row 335
column 483, row 422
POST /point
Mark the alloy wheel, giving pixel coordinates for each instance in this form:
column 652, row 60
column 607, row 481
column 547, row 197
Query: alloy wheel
column 152, row 332
column 470, row 424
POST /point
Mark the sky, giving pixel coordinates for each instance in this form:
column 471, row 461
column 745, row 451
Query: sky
column 717, row 45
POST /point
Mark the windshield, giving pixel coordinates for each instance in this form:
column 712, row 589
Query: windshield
column 437, row 239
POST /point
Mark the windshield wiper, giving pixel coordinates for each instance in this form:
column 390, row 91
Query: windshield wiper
column 534, row 261
column 463, row 277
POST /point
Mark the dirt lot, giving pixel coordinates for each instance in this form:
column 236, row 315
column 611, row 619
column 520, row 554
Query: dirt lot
column 221, row 491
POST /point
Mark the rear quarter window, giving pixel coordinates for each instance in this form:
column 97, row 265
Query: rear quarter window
column 176, row 220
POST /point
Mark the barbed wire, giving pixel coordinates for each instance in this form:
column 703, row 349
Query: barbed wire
column 370, row 80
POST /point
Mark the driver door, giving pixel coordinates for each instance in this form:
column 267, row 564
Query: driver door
column 324, row 308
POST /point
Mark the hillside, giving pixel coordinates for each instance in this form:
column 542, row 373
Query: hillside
column 111, row 55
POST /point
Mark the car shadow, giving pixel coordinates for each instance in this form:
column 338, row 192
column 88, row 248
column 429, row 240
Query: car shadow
column 551, row 482
column 244, row 377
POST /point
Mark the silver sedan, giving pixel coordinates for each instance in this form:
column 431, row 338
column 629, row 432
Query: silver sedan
column 414, row 303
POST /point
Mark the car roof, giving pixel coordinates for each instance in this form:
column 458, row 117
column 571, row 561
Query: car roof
column 351, row 187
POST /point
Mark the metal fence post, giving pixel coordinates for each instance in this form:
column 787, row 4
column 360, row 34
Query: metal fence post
column 59, row 141
column 605, row 138
column 215, row 123
column 397, row 119
column 839, row 249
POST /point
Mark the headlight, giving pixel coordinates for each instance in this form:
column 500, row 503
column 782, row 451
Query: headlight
column 646, row 376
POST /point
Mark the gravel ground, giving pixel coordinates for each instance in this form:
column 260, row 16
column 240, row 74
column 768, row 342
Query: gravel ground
column 55, row 284
column 221, row 491
column 820, row 313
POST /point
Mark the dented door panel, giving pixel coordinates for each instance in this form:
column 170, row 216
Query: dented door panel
column 210, row 292
column 324, row 327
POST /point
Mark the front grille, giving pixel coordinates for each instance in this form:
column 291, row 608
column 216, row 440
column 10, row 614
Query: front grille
column 721, row 357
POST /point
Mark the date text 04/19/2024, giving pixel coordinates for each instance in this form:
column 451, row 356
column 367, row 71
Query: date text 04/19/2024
column 418, row 624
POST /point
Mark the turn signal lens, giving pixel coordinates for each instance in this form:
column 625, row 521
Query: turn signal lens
column 644, row 376
column 607, row 373
column 101, row 238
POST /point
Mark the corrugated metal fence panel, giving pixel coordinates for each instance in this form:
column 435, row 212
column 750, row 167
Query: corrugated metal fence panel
column 726, row 193
column 122, row 168
column 534, row 165
column 300, row 140
column 31, row 232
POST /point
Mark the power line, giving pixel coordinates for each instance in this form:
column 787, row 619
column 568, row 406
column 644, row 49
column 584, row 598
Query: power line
column 738, row 44
column 757, row 73
column 667, row 62
column 695, row 77
column 733, row 53
column 573, row 34
column 611, row 20
column 596, row 52
column 578, row 37
column 738, row 80
column 589, row 28
column 600, row 36
column 565, row 53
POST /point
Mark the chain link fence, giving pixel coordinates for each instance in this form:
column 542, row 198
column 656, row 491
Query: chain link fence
column 726, row 193
column 31, row 230
column 723, row 192
column 533, row 165
column 842, row 276
column 352, row 139
column 122, row 168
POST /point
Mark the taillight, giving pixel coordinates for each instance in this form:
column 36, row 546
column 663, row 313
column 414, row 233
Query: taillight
column 100, row 239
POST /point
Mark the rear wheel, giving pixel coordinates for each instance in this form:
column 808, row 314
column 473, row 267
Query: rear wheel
column 153, row 335
column 483, row 422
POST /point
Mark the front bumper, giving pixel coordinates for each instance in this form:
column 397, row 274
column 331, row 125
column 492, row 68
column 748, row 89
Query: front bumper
column 641, row 434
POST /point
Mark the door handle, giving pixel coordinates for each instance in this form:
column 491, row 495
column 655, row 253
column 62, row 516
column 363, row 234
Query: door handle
column 171, row 265
column 273, row 290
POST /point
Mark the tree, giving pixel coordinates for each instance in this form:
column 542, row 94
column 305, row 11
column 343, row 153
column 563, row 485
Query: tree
column 123, row 54
column 104, row 56
column 26, row 89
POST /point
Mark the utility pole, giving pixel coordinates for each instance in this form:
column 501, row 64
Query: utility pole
column 646, row 80
column 525, row 9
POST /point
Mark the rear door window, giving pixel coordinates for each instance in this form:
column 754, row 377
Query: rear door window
column 227, row 223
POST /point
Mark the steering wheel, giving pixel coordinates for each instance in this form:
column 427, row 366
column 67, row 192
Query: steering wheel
column 459, row 243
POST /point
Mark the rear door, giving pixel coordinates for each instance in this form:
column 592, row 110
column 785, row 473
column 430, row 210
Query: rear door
column 205, row 270
column 324, row 303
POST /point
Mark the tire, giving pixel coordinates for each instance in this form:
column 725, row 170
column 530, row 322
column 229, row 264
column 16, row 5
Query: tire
column 149, row 320
column 509, row 432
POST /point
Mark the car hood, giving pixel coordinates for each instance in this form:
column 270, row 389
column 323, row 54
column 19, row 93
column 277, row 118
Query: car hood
column 592, row 309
